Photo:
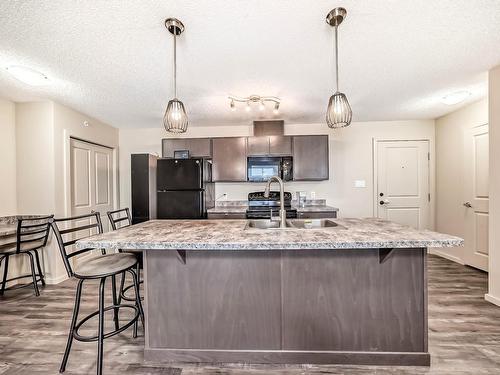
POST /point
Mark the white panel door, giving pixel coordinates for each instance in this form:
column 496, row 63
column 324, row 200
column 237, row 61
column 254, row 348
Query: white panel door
column 91, row 179
column 402, row 191
column 476, row 200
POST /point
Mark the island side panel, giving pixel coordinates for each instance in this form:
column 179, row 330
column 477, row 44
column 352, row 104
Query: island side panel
column 347, row 300
column 217, row 300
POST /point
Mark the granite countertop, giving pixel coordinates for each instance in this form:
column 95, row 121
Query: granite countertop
column 231, row 235
column 228, row 210
column 315, row 208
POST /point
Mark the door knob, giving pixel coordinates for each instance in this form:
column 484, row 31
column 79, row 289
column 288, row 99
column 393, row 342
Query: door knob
column 384, row 202
column 467, row 204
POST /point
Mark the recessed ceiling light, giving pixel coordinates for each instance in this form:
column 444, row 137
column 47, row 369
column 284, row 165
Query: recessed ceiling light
column 455, row 98
column 28, row 75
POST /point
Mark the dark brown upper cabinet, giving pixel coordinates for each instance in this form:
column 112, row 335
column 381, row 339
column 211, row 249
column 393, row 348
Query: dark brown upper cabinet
column 229, row 156
column 269, row 145
column 280, row 145
column 198, row 147
column 310, row 157
column 257, row 146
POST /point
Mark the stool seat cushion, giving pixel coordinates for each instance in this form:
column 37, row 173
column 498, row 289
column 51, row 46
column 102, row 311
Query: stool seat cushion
column 10, row 248
column 104, row 265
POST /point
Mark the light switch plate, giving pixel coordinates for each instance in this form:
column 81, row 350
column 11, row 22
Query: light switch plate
column 360, row 183
column 313, row 195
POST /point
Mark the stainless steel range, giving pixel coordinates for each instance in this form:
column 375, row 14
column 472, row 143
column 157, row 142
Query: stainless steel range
column 260, row 207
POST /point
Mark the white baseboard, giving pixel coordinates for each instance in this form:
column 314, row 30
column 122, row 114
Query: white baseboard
column 446, row 256
column 492, row 299
column 56, row 280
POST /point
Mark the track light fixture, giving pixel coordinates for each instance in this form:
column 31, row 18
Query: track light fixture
column 254, row 99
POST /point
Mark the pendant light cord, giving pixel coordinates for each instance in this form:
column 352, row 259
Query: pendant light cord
column 336, row 60
column 175, row 64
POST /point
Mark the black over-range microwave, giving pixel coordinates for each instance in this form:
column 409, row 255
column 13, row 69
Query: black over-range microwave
column 261, row 168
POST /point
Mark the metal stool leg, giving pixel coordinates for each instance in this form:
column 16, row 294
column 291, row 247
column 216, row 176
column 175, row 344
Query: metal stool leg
column 5, row 270
column 100, row 332
column 37, row 258
column 138, row 302
column 136, row 324
column 33, row 273
column 122, row 285
column 73, row 324
column 115, row 303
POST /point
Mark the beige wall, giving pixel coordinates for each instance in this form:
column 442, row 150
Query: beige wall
column 8, row 203
column 35, row 155
column 351, row 158
column 450, row 171
column 43, row 137
column 494, row 223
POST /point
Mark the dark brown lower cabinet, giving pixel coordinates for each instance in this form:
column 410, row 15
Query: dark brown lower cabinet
column 317, row 215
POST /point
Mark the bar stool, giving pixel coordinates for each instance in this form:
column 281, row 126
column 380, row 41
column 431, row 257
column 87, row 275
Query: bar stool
column 121, row 219
column 31, row 236
column 98, row 267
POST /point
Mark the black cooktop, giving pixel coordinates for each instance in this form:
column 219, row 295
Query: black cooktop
column 261, row 207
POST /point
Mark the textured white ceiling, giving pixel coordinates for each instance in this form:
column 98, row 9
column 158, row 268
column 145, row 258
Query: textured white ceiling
column 112, row 59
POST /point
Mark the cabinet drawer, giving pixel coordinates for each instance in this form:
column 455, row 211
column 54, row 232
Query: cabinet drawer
column 317, row 215
column 227, row 215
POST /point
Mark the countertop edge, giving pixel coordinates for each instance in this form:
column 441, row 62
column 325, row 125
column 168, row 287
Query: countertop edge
column 409, row 244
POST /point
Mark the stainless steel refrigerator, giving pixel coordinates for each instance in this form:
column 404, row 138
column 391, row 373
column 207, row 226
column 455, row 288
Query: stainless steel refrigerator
column 184, row 188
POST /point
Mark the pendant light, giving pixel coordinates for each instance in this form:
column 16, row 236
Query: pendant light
column 339, row 113
column 175, row 119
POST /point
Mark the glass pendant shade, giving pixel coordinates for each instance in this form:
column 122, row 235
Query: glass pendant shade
column 339, row 113
column 175, row 119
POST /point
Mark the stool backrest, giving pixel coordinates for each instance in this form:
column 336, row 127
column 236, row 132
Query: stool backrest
column 69, row 230
column 120, row 218
column 32, row 233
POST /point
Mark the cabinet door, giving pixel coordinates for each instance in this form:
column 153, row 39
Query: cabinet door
column 280, row 145
column 257, row 146
column 310, row 157
column 317, row 215
column 171, row 145
column 226, row 215
column 229, row 159
column 199, row 147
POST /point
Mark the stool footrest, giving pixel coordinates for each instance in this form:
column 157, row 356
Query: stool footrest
column 79, row 337
column 38, row 278
column 130, row 299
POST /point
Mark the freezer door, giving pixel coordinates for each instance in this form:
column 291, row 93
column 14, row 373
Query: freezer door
column 179, row 174
column 181, row 205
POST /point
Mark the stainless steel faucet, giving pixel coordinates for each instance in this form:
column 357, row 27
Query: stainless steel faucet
column 282, row 198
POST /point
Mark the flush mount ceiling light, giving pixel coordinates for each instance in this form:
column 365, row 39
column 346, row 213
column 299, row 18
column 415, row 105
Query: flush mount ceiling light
column 28, row 75
column 175, row 119
column 339, row 113
column 254, row 99
column 455, row 98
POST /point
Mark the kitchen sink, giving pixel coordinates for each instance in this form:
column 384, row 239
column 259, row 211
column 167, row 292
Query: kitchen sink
column 315, row 224
column 294, row 224
column 267, row 224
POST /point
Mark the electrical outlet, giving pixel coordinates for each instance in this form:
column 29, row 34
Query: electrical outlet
column 313, row 195
column 360, row 183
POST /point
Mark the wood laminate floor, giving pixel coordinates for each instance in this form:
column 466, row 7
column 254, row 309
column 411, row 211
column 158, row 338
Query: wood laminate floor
column 464, row 334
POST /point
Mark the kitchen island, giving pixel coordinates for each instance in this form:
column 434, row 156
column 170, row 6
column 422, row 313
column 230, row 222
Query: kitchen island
column 218, row 291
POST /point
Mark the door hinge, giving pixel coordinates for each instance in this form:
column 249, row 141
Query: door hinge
column 429, row 197
column 429, row 156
